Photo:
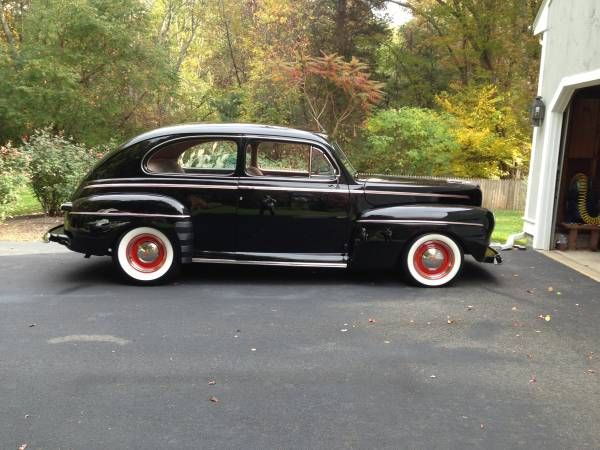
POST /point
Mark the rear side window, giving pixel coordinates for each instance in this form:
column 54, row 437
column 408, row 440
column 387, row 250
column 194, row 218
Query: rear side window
column 195, row 156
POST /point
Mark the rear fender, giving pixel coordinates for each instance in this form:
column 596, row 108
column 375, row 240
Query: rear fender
column 380, row 235
column 95, row 223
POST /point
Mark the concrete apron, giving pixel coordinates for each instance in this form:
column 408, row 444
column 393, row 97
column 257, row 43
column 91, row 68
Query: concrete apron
column 583, row 261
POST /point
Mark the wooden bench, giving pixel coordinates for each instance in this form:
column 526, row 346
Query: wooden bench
column 575, row 228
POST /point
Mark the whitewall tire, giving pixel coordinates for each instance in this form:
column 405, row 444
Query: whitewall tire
column 433, row 260
column 145, row 255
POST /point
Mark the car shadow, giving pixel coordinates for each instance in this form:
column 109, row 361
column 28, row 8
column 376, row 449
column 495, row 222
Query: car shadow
column 101, row 271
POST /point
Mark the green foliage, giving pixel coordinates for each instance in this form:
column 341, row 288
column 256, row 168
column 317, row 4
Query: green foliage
column 103, row 69
column 13, row 169
column 86, row 67
column 491, row 143
column 411, row 141
column 25, row 204
column 57, row 165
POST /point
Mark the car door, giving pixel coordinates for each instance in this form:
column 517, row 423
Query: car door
column 293, row 205
column 200, row 172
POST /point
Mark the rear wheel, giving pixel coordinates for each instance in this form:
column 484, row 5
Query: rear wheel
column 145, row 255
column 432, row 260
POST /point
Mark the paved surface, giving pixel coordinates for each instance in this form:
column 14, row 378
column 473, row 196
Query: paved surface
column 112, row 366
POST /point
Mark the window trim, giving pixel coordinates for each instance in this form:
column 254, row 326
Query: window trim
column 322, row 148
column 233, row 138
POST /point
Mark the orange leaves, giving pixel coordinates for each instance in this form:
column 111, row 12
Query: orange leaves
column 336, row 91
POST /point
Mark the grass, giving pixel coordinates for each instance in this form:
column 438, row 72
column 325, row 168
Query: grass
column 26, row 204
column 507, row 223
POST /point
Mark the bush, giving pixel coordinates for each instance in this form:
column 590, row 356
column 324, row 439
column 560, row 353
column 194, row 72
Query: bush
column 56, row 164
column 13, row 169
column 408, row 141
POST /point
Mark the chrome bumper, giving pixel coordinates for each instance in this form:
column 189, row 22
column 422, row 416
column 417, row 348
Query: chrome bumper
column 492, row 256
column 57, row 234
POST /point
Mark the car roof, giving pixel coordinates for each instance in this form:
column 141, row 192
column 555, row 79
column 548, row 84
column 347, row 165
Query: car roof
column 227, row 128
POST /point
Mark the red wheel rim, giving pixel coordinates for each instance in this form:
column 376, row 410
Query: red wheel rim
column 433, row 260
column 146, row 253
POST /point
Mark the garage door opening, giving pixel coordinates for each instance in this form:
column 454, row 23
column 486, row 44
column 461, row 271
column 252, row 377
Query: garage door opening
column 577, row 211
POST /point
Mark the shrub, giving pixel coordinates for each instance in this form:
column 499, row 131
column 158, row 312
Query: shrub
column 410, row 141
column 56, row 164
column 13, row 169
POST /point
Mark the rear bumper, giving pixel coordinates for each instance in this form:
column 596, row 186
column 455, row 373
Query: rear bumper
column 491, row 256
column 57, row 234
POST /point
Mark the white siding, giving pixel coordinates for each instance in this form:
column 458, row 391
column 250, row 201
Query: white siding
column 571, row 46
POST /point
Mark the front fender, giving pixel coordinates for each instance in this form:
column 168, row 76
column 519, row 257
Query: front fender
column 380, row 234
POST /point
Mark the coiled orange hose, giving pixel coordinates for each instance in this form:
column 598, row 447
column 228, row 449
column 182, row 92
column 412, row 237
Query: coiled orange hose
column 582, row 192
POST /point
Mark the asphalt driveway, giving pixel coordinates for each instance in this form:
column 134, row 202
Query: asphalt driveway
column 509, row 357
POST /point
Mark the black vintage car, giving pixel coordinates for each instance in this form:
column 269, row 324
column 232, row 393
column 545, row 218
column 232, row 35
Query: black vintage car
column 265, row 195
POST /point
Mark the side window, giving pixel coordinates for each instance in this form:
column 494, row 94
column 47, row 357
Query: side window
column 319, row 164
column 286, row 159
column 195, row 156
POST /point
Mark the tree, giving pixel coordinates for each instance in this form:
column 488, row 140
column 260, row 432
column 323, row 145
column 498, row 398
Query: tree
column 87, row 67
column 408, row 141
column 491, row 144
column 339, row 95
column 481, row 42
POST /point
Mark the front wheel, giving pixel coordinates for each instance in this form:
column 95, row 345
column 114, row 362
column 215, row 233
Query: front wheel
column 145, row 255
column 432, row 260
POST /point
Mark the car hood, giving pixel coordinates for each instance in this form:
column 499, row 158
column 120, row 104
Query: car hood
column 387, row 190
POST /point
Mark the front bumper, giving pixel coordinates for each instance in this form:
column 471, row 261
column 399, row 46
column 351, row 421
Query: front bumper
column 492, row 256
column 57, row 234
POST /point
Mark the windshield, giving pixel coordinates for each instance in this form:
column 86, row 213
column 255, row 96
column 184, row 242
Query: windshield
column 343, row 159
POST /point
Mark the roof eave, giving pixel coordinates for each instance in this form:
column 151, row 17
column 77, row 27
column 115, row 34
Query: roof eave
column 540, row 24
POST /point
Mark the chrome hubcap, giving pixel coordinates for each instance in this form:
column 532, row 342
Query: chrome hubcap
column 433, row 258
column 148, row 252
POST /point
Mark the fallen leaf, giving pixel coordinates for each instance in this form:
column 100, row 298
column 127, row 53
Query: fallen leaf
column 212, row 382
column 214, row 399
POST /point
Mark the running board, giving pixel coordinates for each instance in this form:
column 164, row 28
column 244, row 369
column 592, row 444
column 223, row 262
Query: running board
column 271, row 263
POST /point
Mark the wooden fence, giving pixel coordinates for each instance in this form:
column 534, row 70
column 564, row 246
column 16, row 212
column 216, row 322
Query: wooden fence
column 497, row 194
